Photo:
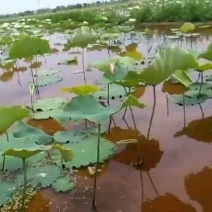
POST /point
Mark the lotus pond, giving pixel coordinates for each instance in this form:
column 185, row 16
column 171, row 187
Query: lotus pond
column 109, row 120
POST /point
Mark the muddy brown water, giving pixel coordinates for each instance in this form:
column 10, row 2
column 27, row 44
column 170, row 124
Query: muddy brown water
column 177, row 172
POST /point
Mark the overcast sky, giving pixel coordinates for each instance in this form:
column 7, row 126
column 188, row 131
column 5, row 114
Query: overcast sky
column 15, row 6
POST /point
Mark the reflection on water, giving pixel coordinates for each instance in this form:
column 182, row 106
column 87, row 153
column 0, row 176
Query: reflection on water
column 158, row 184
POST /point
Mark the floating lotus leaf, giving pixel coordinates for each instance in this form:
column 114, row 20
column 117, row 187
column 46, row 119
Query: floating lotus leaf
column 84, row 36
column 6, row 76
column 182, row 77
column 207, row 54
column 35, row 65
column 166, row 62
column 192, row 99
column 109, row 36
column 45, row 72
column 70, row 61
column 58, row 114
column 29, row 46
column 37, row 135
column 44, row 81
column 9, row 115
column 63, row 185
column 6, row 191
column 209, row 78
column 82, row 89
column 115, row 92
column 85, row 152
column 187, row 27
column 49, row 104
column 194, row 89
column 43, row 176
column 87, row 107
column 132, row 101
column 73, row 137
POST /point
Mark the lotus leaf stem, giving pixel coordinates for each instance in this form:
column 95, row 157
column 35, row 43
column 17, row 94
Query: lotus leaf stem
column 25, row 182
column 167, row 105
column 184, row 110
column 153, row 184
column 153, row 111
column 142, row 187
column 83, row 66
column 96, row 166
column 200, row 89
column 3, row 164
column 108, row 94
column 201, row 109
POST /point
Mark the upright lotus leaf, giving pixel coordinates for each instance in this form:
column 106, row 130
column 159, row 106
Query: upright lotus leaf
column 207, row 54
column 183, row 77
column 37, row 135
column 132, row 52
column 70, row 61
column 186, row 27
column 82, row 89
column 63, row 185
column 87, row 107
column 21, row 148
column 9, row 115
column 42, row 176
column 84, row 36
column 66, row 153
column 204, row 66
column 44, row 81
column 166, row 62
column 132, row 101
column 28, row 46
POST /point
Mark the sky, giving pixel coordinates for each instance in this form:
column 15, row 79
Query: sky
column 15, row 6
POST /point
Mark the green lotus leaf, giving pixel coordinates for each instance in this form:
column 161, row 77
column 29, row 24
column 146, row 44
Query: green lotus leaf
column 183, row 77
column 187, row 27
column 63, row 185
column 37, row 135
column 207, row 54
column 204, row 66
column 206, row 89
column 82, row 89
column 28, row 46
column 73, row 137
column 49, row 104
column 109, row 36
column 9, row 115
column 104, row 66
column 6, row 191
column 21, row 148
column 130, row 80
column 44, row 81
column 84, row 36
column 45, row 72
column 66, row 153
column 85, row 152
column 58, row 114
column 43, row 176
column 70, row 61
column 132, row 101
column 87, row 107
column 115, row 92
column 191, row 99
column 166, row 62
column 132, row 54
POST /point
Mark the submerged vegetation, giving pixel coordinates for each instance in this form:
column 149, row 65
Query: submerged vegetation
column 34, row 159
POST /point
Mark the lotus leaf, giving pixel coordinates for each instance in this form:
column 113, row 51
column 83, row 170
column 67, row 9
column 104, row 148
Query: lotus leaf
column 132, row 54
column 166, row 62
column 45, row 72
column 43, row 176
column 82, row 89
column 70, row 61
column 85, row 152
column 204, row 66
column 109, row 36
column 9, row 115
column 206, row 89
column 191, row 99
column 207, row 54
column 73, row 137
column 84, row 36
column 44, row 81
column 6, row 191
column 187, row 27
column 182, row 77
column 132, row 101
column 115, row 91
column 29, row 46
column 37, row 135
column 87, row 107
column 66, row 153
column 49, row 104
column 63, row 185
